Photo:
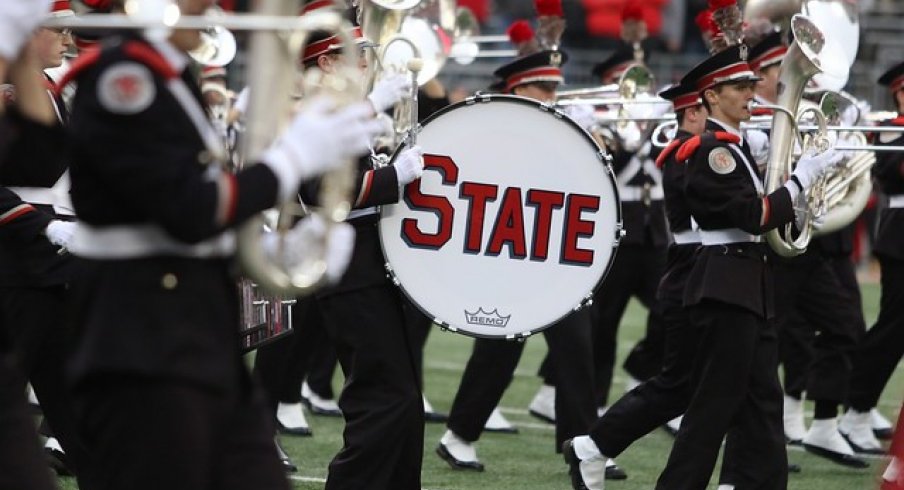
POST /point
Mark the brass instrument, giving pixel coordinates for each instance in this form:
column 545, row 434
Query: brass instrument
column 808, row 55
column 272, row 66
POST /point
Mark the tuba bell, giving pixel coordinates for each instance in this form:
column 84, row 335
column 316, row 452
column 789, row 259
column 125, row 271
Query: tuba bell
column 809, row 54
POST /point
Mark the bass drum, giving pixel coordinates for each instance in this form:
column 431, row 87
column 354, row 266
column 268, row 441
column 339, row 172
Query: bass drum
column 512, row 226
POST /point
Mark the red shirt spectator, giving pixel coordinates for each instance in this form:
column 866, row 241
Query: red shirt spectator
column 604, row 16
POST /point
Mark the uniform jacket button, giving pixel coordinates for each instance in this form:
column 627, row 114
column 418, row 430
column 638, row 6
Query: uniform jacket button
column 169, row 281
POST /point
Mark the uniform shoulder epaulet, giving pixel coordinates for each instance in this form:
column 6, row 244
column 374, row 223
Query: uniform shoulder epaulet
column 667, row 151
column 86, row 59
column 134, row 50
column 688, row 148
column 710, row 138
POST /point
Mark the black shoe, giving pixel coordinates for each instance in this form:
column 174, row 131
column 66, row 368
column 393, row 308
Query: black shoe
column 58, row 461
column 574, row 465
column 287, row 464
column 502, row 430
column 615, row 472
column 455, row 463
column 883, row 434
column 862, row 450
column 541, row 416
column 294, row 431
column 435, row 417
column 840, row 458
column 793, row 468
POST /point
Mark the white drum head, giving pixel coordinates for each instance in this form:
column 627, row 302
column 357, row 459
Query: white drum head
column 513, row 224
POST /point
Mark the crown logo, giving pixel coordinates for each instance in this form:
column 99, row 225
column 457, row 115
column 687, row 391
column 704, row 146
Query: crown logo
column 487, row 318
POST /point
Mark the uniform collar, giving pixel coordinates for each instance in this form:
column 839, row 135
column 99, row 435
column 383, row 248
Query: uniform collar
column 175, row 57
column 727, row 128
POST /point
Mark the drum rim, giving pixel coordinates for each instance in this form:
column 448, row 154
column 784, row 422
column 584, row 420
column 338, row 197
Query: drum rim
column 619, row 223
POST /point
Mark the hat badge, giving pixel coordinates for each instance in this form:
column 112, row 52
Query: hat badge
column 555, row 59
column 742, row 51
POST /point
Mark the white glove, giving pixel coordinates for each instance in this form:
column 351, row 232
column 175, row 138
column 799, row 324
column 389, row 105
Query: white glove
column 389, row 90
column 802, row 210
column 812, row 166
column 18, row 19
column 759, row 144
column 410, row 165
column 318, row 140
column 60, row 232
column 306, row 239
column 850, row 115
column 583, row 114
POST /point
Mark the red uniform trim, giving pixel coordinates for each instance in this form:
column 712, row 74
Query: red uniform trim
column 16, row 212
column 761, row 111
column 724, row 74
column 688, row 149
column 543, row 73
column 232, row 200
column 150, row 57
column 668, row 150
column 686, row 101
column 85, row 60
column 767, row 209
column 366, row 185
column 897, row 84
column 768, row 58
column 727, row 137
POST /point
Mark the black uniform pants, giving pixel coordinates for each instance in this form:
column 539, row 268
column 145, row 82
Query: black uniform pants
column 636, row 271
column 658, row 399
column 492, row 365
column 22, row 463
column 736, row 393
column 39, row 334
column 812, row 298
column 281, row 366
column 381, row 402
column 883, row 345
column 154, row 434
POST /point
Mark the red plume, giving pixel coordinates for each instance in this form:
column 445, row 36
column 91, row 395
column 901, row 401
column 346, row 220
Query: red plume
column 97, row 4
column 704, row 21
column 633, row 10
column 718, row 4
column 549, row 7
column 520, row 32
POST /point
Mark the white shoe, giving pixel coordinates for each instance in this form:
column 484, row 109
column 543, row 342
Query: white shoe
column 459, row 453
column 543, row 406
column 291, row 420
column 318, row 405
column 857, row 429
column 588, row 473
column 725, row 487
column 793, row 417
column 882, row 427
column 672, row 426
column 823, row 439
column 498, row 423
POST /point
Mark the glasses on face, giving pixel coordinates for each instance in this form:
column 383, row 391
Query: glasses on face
column 62, row 32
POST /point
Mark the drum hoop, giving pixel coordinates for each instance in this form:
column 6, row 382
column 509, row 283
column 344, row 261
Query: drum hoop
column 603, row 159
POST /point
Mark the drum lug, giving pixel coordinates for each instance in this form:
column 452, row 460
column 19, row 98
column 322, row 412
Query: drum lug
column 519, row 337
column 478, row 97
column 619, row 233
column 587, row 301
column 606, row 158
column 392, row 275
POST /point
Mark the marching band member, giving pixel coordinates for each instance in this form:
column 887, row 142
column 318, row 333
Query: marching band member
column 158, row 376
column 489, row 371
column 883, row 345
column 729, row 290
column 808, row 290
column 665, row 396
column 381, row 400
column 35, row 268
column 29, row 127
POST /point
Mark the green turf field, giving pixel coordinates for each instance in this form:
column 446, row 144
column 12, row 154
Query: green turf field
column 526, row 461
